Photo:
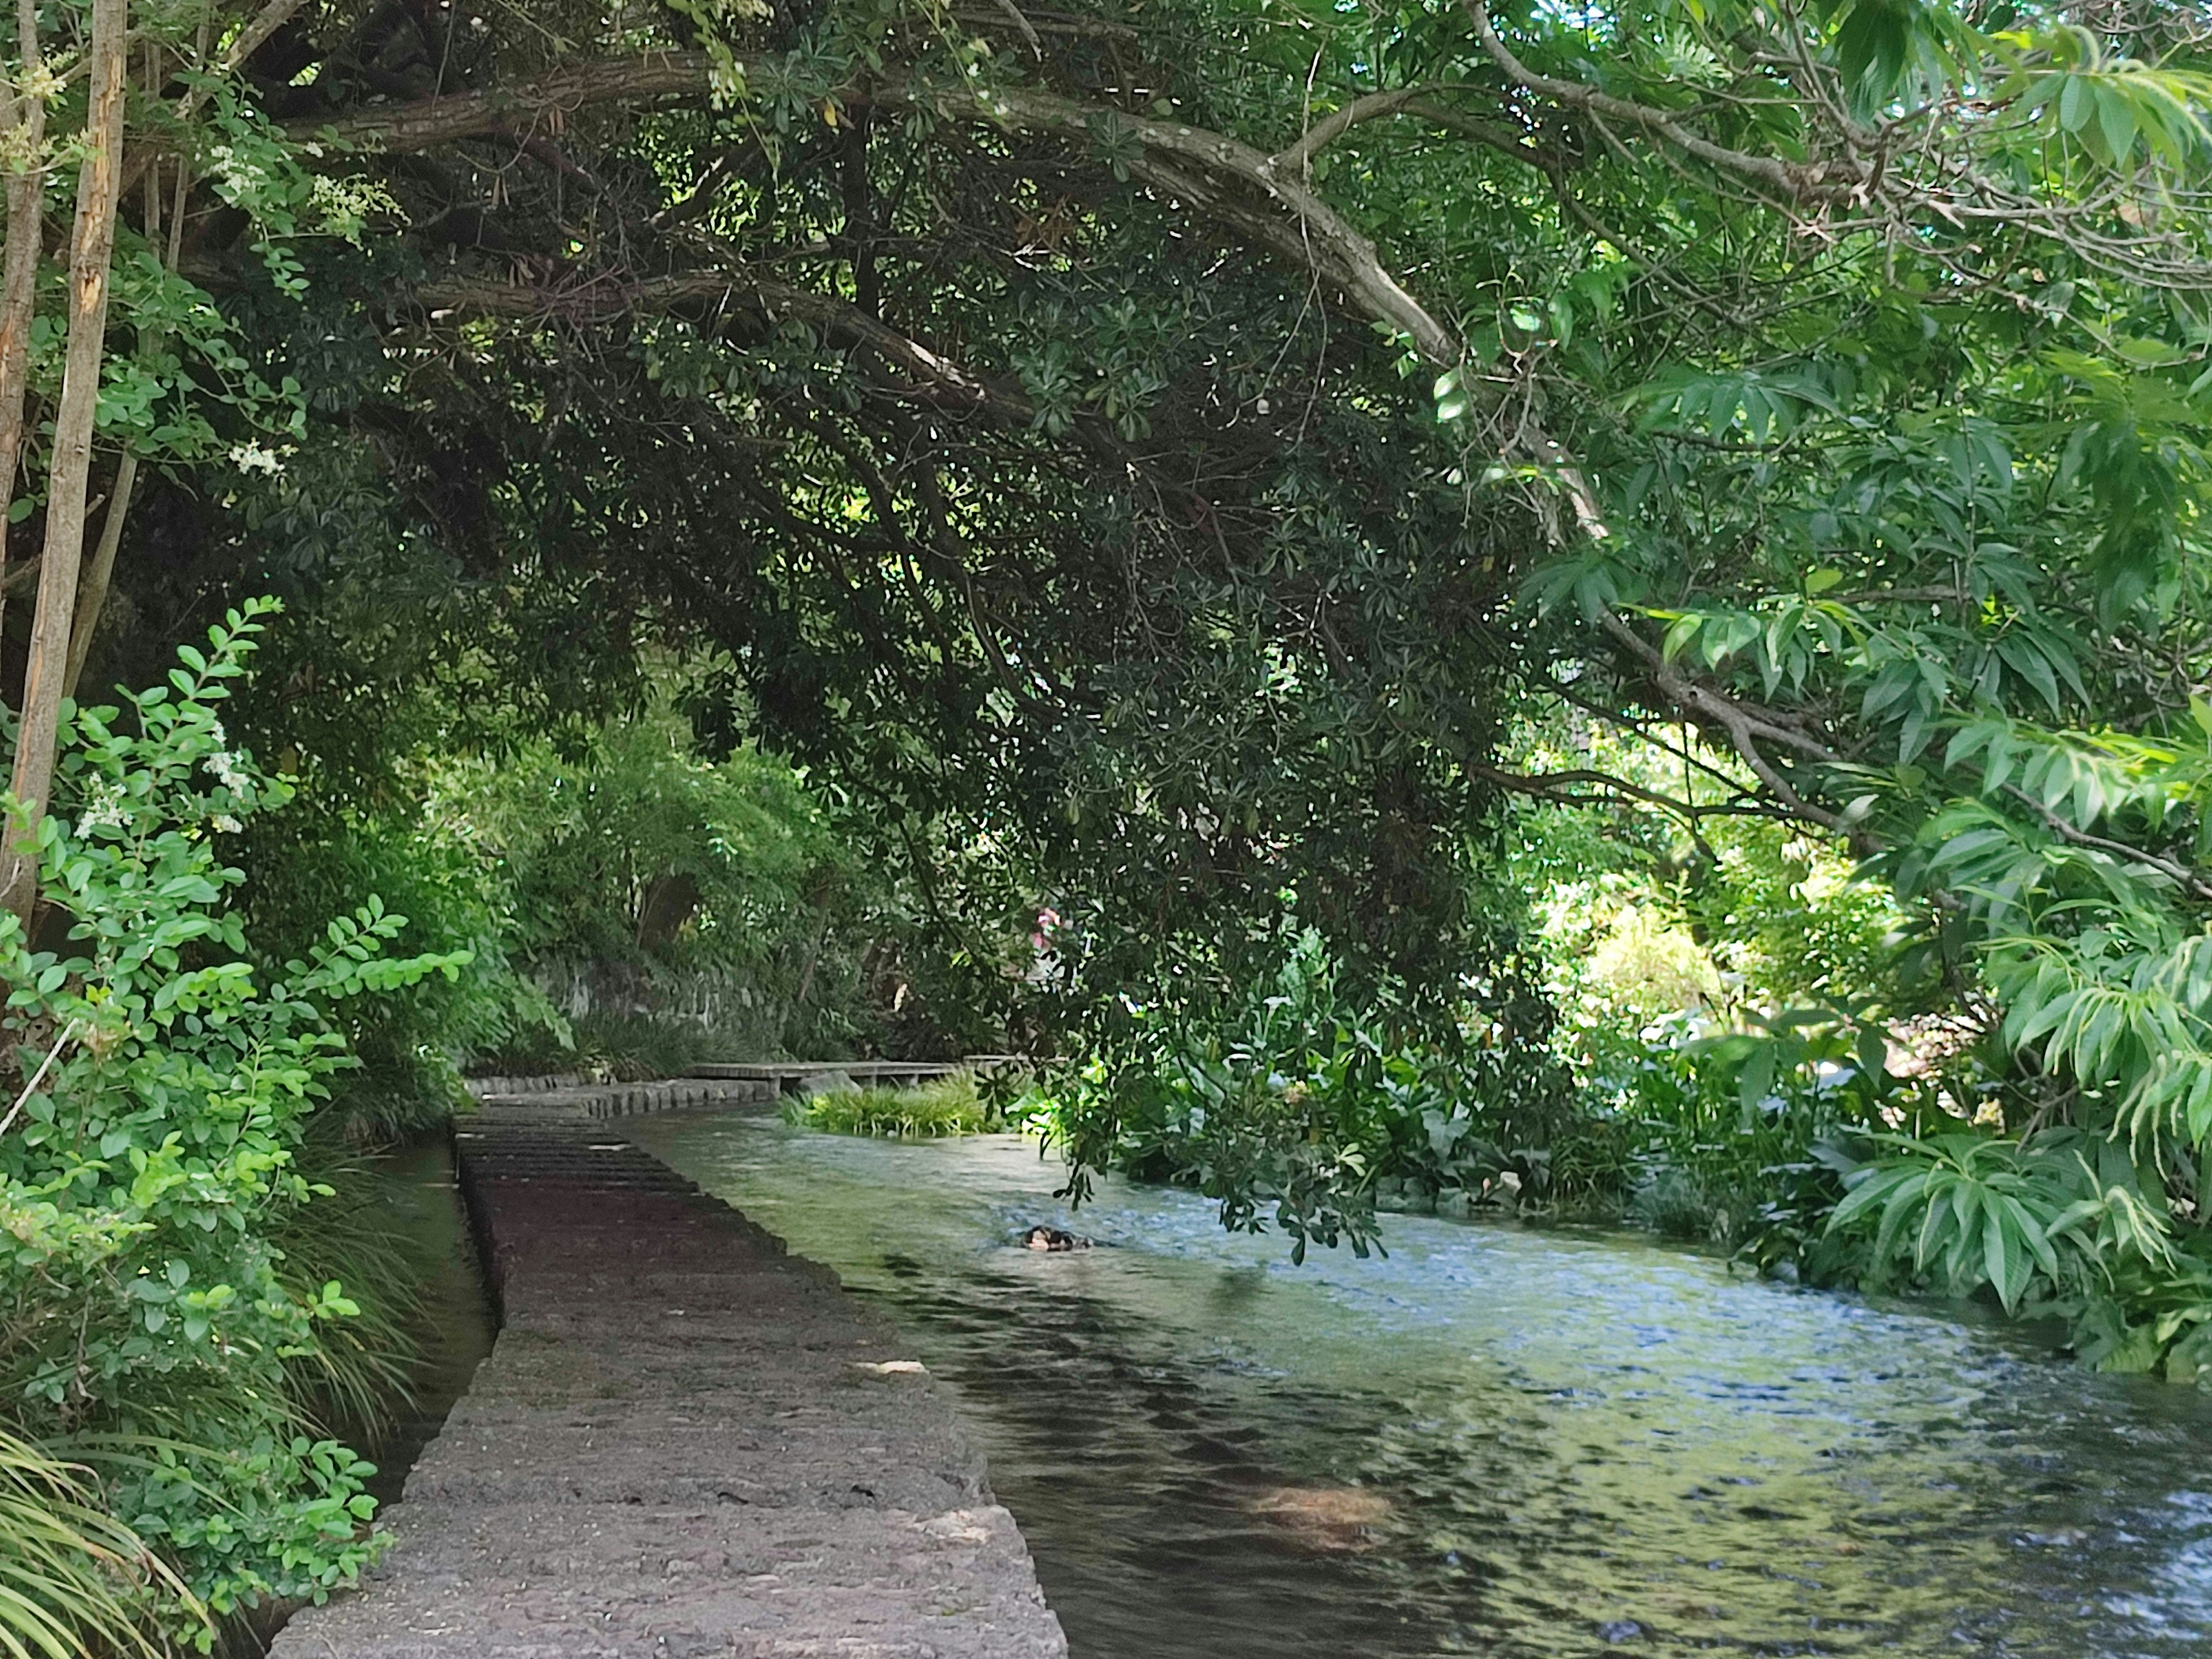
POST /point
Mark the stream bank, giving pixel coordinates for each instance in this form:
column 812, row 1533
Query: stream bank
column 684, row 1442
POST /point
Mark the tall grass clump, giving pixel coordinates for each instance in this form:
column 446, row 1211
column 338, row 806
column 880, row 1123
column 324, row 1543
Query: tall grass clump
column 73, row 1578
column 929, row 1111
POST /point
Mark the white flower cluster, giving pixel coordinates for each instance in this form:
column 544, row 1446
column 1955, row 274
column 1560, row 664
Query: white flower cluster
column 224, row 765
column 103, row 811
column 252, row 457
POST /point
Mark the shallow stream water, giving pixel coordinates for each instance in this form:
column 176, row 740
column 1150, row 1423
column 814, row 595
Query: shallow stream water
column 423, row 1207
column 1499, row 1440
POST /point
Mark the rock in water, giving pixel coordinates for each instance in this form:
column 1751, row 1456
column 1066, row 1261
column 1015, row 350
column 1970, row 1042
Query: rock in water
column 1325, row 1517
column 1051, row 1238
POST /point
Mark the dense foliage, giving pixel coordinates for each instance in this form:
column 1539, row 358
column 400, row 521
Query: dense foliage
column 1594, row 610
column 150, row 1160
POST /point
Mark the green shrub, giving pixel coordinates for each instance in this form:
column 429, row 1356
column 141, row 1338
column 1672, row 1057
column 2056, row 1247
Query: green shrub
column 929, row 1111
column 164, row 1080
column 313, row 860
column 648, row 882
column 1288, row 1099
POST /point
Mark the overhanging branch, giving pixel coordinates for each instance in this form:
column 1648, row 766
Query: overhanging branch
column 1790, row 181
column 919, row 373
column 546, row 101
column 1279, row 207
column 1197, row 162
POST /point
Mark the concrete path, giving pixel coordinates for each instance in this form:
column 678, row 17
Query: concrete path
column 685, row 1443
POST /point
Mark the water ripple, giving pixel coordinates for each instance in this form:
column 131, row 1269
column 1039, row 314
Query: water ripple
column 1525, row 1444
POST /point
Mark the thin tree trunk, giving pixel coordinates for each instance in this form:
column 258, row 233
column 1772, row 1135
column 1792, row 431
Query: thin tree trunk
column 99, row 575
column 19, row 268
column 806, row 975
column 92, row 247
column 92, row 593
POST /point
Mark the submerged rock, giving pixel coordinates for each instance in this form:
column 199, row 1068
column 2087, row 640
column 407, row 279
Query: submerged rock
column 1051, row 1238
column 1332, row 1518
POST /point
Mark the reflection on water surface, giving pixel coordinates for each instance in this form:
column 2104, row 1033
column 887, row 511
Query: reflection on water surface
column 1497, row 1441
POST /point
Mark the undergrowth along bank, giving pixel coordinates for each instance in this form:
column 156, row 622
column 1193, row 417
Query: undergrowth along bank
column 926, row 1111
column 177, row 1340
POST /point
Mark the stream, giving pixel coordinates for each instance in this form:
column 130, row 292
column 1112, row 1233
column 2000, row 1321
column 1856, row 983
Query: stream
column 1499, row 1440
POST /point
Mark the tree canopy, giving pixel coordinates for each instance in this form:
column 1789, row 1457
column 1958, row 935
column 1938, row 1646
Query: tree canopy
column 1181, row 439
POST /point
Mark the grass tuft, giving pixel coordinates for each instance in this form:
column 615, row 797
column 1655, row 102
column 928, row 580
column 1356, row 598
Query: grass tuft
column 929, row 1111
column 73, row 1578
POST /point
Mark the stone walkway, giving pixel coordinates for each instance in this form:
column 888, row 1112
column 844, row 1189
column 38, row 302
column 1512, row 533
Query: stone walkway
column 685, row 1443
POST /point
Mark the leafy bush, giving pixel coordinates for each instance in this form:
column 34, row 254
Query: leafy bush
column 1292, row 1098
column 620, row 1048
column 929, row 1111
column 1725, row 1121
column 2061, row 1221
column 648, row 882
column 422, row 860
column 163, row 1079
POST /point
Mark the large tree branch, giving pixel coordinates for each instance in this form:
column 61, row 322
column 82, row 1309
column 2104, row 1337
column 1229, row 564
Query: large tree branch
column 1210, row 168
column 919, row 373
column 398, row 128
column 1302, row 224
column 265, row 23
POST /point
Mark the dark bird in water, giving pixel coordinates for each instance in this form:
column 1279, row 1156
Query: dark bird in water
column 1051, row 1238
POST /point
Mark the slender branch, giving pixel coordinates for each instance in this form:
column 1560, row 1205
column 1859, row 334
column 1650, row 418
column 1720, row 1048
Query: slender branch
column 2188, row 879
column 1339, row 121
column 270, row 18
column 1558, row 787
column 100, row 574
column 1013, row 14
column 39, row 1076
column 1420, row 103
column 924, row 374
column 1793, row 181
column 1745, row 728
column 1642, row 731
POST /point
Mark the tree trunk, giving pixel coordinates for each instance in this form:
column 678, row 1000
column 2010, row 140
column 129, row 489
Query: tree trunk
column 92, row 247
column 19, row 268
column 670, row 902
column 99, row 575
